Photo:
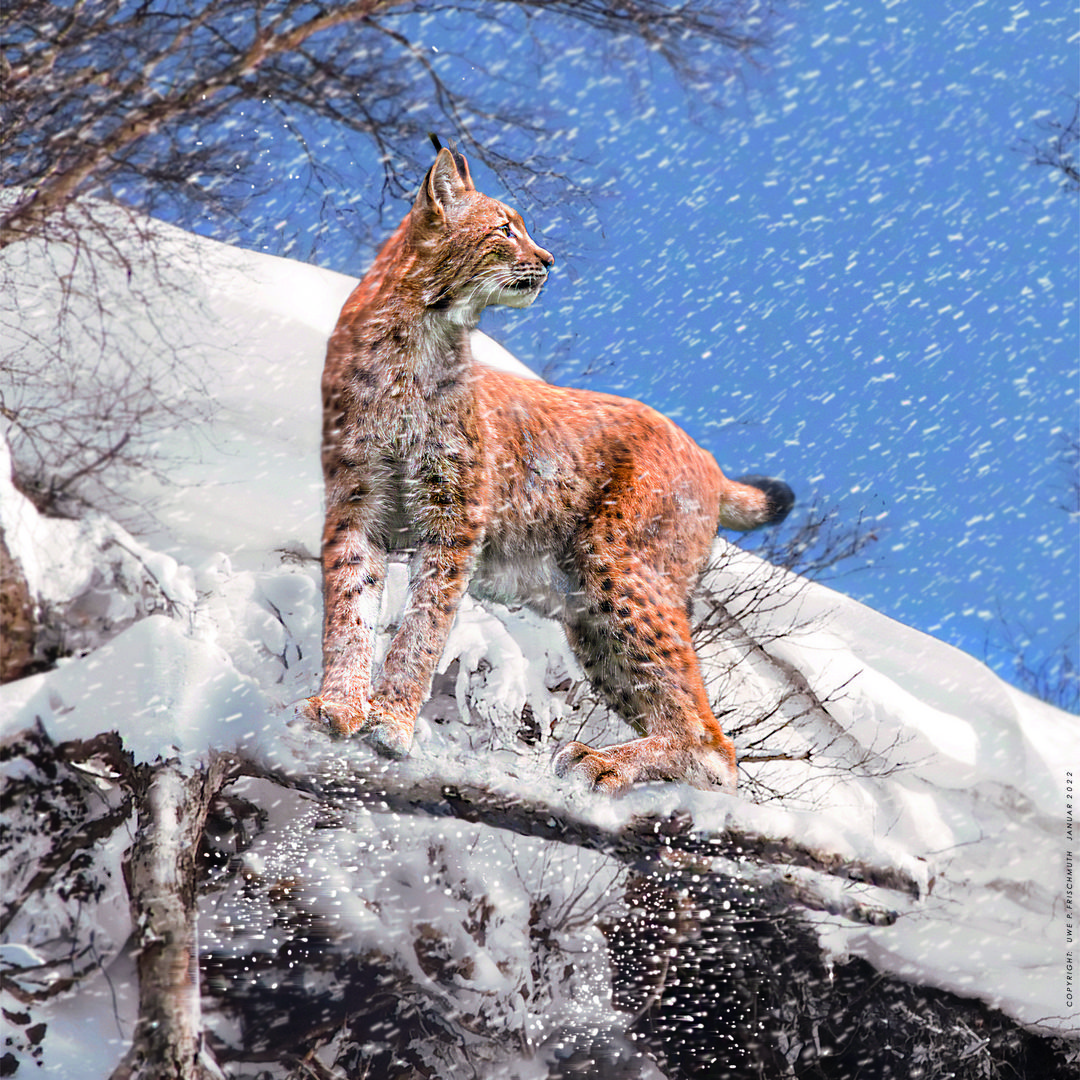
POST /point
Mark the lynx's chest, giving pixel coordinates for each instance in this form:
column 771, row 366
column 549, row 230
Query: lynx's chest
column 408, row 442
column 405, row 389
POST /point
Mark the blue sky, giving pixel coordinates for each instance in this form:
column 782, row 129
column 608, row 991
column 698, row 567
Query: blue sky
column 850, row 276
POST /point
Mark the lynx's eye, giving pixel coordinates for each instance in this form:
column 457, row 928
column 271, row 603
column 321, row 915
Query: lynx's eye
column 505, row 229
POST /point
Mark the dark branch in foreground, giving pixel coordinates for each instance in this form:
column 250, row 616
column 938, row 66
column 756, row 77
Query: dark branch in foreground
column 644, row 842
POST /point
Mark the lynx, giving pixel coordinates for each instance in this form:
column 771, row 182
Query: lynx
column 583, row 503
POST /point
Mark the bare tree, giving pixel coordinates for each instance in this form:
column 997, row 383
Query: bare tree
column 1048, row 673
column 113, row 110
column 1057, row 150
column 173, row 810
column 816, row 545
column 85, row 395
column 139, row 101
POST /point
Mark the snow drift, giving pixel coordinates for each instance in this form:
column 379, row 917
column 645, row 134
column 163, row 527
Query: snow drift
column 858, row 735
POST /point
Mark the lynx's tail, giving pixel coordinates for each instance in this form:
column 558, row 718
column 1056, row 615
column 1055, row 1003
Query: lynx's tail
column 752, row 501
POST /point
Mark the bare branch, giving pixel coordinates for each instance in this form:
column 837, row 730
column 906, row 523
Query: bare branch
column 1059, row 152
column 99, row 96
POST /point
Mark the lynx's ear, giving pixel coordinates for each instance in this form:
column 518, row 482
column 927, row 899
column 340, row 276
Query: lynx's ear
column 443, row 186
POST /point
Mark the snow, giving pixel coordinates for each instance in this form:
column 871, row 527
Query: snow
column 922, row 759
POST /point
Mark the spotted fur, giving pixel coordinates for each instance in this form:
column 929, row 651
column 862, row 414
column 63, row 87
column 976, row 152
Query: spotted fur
column 590, row 505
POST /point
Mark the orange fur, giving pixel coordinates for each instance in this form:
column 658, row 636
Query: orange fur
column 590, row 505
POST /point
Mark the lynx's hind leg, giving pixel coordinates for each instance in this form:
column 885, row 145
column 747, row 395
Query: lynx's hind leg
column 636, row 650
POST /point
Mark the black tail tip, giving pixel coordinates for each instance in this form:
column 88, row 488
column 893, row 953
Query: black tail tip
column 781, row 497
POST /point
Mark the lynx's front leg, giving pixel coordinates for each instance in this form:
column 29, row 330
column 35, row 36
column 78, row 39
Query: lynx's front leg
column 354, row 572
column 440, row 577
column 451, row 498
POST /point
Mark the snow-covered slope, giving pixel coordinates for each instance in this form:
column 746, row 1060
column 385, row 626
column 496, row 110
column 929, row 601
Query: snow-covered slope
column 896, row 748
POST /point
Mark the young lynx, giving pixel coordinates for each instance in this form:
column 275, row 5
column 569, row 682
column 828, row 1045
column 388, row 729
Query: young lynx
column 593, row 505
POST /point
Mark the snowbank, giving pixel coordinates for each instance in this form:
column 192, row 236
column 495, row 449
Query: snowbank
column 918, row 754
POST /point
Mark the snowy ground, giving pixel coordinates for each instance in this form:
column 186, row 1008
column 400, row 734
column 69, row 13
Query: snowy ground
column 207, row 627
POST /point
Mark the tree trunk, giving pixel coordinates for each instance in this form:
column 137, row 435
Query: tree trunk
column 168, row 1039
column 638, row 841
column 17, row 615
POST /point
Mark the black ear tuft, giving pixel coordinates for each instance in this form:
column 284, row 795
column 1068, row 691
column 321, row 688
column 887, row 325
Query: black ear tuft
column 460, row 163
column 781, row 497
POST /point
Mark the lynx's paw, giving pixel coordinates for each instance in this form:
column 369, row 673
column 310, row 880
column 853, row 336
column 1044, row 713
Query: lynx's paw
column 615, row 768
column 712, row 770
column 389, row 730
column 601, row 772
column 334, row 717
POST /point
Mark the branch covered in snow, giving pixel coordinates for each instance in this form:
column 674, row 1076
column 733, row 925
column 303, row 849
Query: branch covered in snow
column 678, row 840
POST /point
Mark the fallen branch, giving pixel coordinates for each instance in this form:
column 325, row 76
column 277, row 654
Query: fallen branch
column 642, row 841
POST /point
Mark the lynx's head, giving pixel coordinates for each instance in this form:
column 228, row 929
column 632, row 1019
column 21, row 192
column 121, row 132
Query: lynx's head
column 471, row 251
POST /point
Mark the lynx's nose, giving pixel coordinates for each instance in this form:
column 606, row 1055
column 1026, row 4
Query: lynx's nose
column 545, row 257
